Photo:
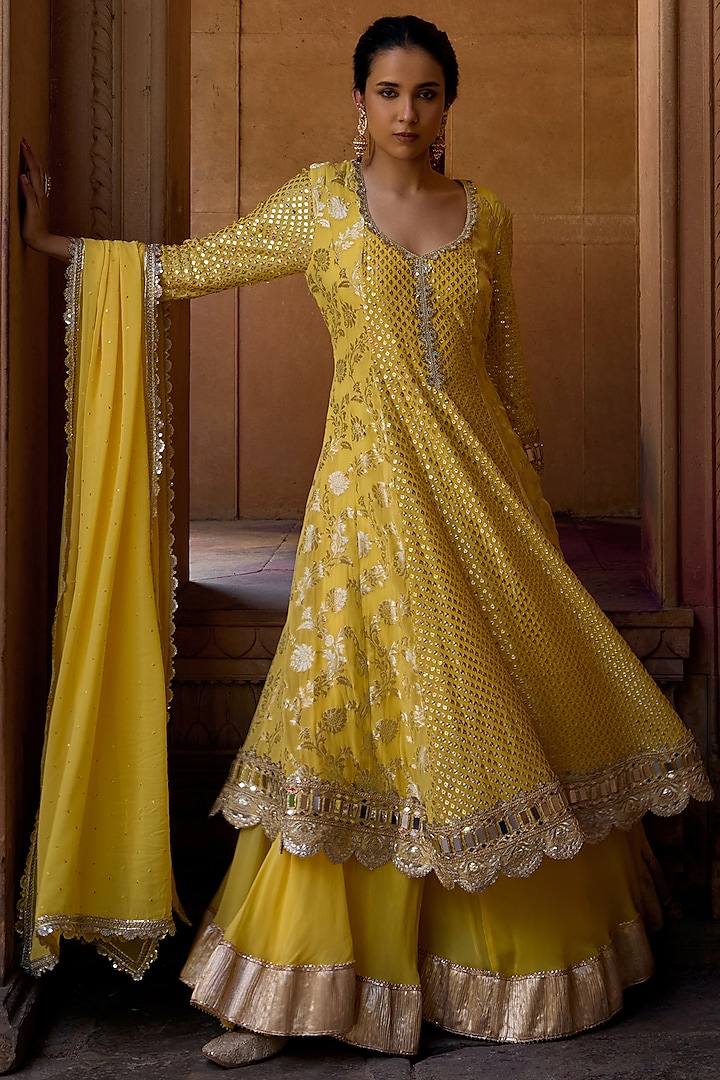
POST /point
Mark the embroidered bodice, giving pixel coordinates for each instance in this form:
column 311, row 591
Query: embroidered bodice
column 319, row 224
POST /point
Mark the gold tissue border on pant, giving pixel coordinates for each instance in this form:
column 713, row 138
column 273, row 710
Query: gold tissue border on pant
column 544, row 1005
column 270, row 998
column 246, row 992
column 388, row 1017
column 330, row 1000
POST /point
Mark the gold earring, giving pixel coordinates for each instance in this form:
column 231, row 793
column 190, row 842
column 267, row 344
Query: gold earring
column 360, row 142
column 437, row 148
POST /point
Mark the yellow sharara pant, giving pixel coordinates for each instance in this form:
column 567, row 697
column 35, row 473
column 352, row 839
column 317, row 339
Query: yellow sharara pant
column 306, row 946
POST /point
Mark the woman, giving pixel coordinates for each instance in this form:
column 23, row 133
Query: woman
column 447, row 705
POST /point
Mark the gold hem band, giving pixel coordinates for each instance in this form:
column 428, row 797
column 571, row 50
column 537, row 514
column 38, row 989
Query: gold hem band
column 207, row 937
column 388, row 1017
column 331, row 1000
column 273, row 999
column 540, row 1006
column 313, row 815
column 555, row 819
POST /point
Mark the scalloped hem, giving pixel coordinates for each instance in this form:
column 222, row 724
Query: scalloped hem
column 247, row 992
column 131, row 945
column 555, row 819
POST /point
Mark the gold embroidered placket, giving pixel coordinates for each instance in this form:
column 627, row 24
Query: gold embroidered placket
column 422, row 266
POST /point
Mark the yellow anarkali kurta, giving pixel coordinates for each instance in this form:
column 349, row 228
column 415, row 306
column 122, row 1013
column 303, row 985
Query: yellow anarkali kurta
column 446, row 698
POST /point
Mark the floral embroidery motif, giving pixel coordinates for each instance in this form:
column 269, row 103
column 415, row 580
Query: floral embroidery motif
column 346, row 239
column 337, row 208
column 338, row 482
column 364, row 544
column 302, row 658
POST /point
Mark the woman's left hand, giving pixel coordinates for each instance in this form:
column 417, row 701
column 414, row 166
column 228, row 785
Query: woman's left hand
column 34, row 188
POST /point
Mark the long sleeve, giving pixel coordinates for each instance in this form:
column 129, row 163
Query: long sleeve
column 504, row 356
column 275, row 240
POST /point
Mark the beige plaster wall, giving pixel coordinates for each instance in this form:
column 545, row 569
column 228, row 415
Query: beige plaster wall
column 546, row 116
column 214, row 186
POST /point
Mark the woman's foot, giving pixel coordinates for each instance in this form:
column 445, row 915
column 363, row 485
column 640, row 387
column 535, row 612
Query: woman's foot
column 236, row 1048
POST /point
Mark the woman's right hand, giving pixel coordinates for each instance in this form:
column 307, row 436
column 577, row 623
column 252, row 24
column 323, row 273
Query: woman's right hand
column 34, row 227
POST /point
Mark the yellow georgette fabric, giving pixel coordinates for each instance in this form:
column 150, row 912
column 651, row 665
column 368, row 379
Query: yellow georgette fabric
column 100, row 864
column 308, row 946
column 446, row 699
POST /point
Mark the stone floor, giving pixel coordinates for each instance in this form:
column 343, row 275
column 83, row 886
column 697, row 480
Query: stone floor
column 605, row 554
column 98, row 1024
column 250, row 563
column 240, row 564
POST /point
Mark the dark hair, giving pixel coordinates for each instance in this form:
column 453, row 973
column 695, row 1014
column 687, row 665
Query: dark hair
column 405, row 32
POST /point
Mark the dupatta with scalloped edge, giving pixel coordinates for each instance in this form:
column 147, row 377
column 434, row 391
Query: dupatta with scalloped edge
column 99, row 867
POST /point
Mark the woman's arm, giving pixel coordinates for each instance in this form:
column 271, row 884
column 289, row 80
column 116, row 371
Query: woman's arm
column 273, row 241
column 34, row 227
column 504, row 357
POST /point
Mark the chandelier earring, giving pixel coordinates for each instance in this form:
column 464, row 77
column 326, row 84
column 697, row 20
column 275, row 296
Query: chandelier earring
column 360, row 142
column 437, row 148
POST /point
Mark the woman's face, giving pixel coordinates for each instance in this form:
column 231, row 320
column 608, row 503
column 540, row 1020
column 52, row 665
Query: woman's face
column 404, row 100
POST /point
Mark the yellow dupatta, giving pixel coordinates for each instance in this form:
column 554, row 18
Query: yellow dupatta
column 99, row 867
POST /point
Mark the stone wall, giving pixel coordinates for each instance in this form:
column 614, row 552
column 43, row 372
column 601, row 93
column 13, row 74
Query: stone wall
column 546, row 117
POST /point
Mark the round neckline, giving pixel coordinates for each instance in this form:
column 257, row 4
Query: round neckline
column 470, row 218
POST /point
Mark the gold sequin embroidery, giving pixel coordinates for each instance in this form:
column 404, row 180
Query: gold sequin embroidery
column 273, row 241
column 421, row 266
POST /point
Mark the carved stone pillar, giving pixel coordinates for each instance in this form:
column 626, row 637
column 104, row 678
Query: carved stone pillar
column 698, row 413
column 93, row 87
column 658, row 171
column 715, row 695
column 678, row 357
column 24, row 90
column 121, row 161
